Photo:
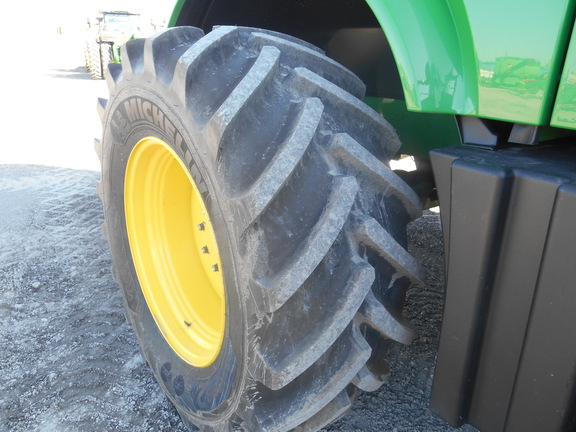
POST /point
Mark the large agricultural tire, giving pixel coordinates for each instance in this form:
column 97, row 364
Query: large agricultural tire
column 106, row 57
column 256, row 230
column 93, row 60
column 87, row 58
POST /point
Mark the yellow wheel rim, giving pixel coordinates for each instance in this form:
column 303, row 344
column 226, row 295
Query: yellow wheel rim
column 175, row 252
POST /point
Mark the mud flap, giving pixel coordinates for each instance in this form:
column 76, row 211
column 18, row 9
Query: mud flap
column 507, row 355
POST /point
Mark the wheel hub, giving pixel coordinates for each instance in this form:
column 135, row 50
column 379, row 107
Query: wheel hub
column 175, row 253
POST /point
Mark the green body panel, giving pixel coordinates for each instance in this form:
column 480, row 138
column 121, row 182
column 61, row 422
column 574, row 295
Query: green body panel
column 178, row 4
column 493, row 59
column 564, row 114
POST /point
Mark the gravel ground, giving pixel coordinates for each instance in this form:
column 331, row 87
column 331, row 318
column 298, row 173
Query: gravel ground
column 68, row 359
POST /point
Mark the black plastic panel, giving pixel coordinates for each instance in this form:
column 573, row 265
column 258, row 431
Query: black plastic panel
column 507, row 356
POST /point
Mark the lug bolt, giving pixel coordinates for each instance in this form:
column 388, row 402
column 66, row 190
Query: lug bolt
column 204, row 250
column 201, row 226
column 215, row 268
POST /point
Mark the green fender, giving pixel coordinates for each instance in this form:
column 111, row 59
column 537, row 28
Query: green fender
column 493, row 59
column 564, row 114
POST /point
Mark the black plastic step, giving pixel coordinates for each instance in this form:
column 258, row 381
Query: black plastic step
column 507, row 356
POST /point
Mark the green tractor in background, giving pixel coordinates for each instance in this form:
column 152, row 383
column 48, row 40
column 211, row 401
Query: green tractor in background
column 108, row 32
column 257, row 229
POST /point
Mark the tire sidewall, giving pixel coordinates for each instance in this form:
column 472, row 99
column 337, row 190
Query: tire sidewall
column 210, row 393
